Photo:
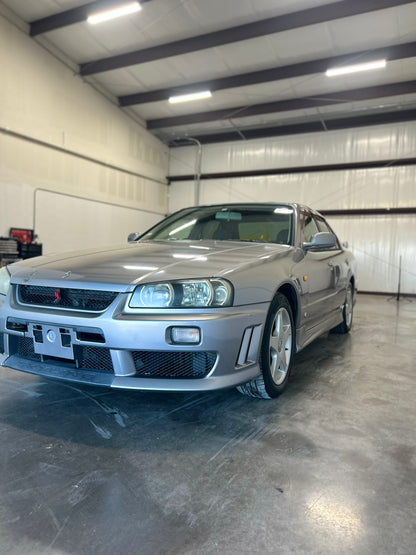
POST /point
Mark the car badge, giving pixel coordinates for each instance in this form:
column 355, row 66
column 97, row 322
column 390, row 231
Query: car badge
column 66, row 275
column 57, row 296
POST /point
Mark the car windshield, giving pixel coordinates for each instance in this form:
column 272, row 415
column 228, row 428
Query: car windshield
column 258, row 223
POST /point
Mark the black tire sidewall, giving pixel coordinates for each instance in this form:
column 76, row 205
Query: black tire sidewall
column 343, row 327
column 346, row 326
column 273, row 390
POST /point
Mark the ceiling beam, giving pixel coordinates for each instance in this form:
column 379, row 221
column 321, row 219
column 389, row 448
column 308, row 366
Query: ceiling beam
column 390, row 53
column 303, row 18
column 74, row 15
column 367, row 164
column 371, row 164
column 399, row 116
column 324, row 99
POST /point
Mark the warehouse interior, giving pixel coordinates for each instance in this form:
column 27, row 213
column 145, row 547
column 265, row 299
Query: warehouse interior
column 91, row 150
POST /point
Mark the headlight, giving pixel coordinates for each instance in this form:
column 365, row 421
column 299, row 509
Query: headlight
column 198, row 293
column 4, row 281
column 160, row 294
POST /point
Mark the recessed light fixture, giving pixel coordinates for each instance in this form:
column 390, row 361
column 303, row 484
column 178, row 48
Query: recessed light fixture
column 124, row 9
column 342, row 70
column 192, row 96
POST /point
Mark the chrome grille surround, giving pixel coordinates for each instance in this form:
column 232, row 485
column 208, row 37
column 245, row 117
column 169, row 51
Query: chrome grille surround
column 86, row 300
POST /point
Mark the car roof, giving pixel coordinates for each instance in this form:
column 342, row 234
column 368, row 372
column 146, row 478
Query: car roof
column 295, row 205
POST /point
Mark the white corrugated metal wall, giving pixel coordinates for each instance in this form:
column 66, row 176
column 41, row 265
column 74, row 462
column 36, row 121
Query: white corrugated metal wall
column 59, row 135
column 378, row 242
column 72, row 165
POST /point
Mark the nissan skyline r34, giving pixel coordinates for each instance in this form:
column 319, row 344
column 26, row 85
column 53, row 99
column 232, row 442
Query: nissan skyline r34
column 211, row 297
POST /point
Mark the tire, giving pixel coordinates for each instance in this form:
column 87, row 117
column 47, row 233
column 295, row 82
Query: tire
column 347, row 312
column 276, row 352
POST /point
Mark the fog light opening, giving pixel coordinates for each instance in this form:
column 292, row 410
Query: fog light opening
column 185, row 335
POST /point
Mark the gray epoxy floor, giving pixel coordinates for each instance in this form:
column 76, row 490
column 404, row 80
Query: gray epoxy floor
column 329, row 467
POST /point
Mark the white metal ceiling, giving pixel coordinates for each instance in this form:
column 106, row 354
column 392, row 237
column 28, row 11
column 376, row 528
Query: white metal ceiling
column 165, row 21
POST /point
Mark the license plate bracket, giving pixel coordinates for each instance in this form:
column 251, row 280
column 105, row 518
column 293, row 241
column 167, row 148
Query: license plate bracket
column 55, row 341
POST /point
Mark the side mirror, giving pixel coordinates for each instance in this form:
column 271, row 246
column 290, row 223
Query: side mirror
column 133, row 236
column 321, row 240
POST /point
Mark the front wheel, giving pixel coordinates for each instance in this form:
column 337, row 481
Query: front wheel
column 276, row 353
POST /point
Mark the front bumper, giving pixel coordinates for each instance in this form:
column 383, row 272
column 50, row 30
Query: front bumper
column 133, row 351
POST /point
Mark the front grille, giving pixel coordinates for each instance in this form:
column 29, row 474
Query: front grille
column 73, row 299
column 86, row 358
column 148, row 364
column 25, row 348
column 94, row 358
column 183, row 364
column 1, row 342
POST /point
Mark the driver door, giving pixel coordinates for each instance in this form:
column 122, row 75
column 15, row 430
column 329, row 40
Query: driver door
column 317, row 275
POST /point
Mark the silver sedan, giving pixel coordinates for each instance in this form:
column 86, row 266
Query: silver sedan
column 211, row 297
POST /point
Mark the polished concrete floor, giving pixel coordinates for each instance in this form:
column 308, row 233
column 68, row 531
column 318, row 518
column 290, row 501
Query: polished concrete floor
column 329, row 467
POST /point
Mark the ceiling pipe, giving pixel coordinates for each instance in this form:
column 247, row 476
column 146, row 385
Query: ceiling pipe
column 197, row 174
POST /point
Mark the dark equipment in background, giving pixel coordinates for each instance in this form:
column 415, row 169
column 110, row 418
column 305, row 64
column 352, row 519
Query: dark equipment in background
column 19, row 245
column 9, row 251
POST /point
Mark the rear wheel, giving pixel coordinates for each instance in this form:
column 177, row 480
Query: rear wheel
column 276, row 353
column 347, row 312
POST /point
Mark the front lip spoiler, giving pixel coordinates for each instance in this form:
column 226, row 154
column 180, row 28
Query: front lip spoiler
column 54, row 371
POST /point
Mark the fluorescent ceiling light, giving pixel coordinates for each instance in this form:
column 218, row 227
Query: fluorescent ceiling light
column 125, row 9
column 192, row 96
column 342, row 70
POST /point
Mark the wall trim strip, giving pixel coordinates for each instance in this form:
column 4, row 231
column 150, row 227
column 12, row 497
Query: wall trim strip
column 33, row 140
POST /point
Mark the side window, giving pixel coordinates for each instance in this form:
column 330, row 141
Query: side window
column 308, row 226
column 323, row 226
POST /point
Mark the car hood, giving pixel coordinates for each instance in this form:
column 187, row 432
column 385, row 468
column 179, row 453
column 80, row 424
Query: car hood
column 122, row 268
